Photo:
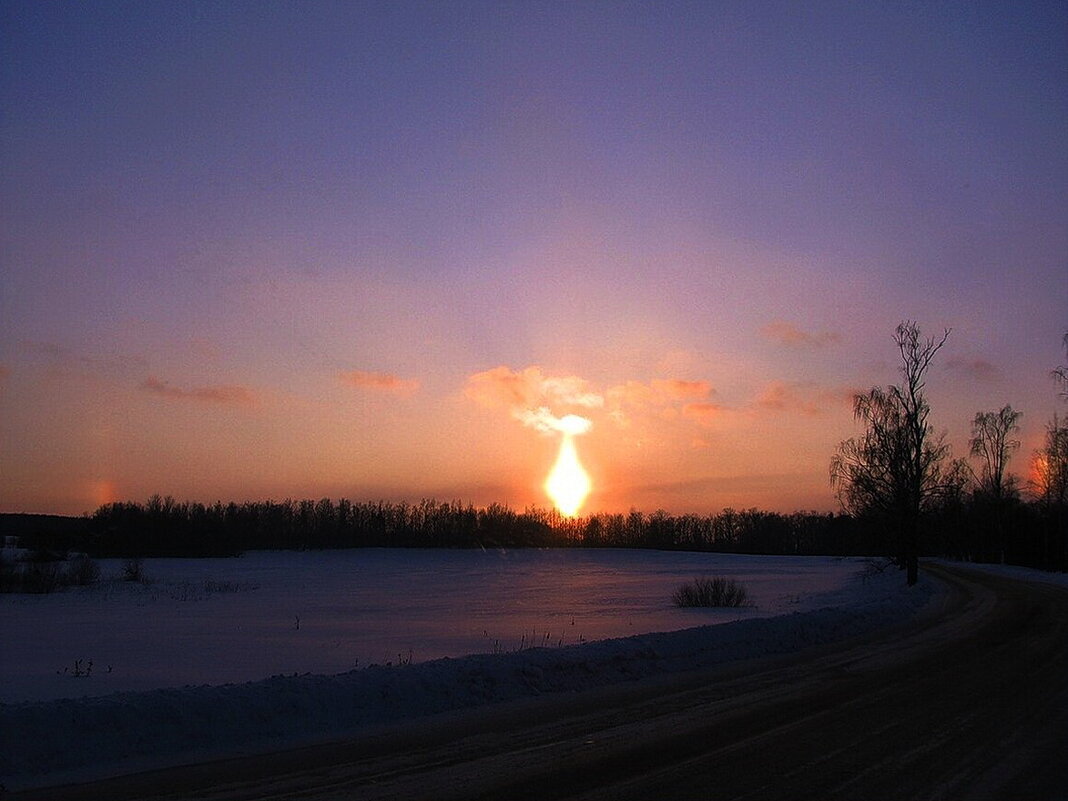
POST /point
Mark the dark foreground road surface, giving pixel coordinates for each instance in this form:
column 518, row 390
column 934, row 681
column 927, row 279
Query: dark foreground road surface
column 968, row 702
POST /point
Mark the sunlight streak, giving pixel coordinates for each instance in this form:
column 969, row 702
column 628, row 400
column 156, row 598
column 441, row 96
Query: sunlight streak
column 568, row 483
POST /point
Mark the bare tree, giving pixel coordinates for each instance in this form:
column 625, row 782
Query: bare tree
column 992, row 443
column 1049, row 483
column 1060, row 374
column 1049, row 464
column 897, row 469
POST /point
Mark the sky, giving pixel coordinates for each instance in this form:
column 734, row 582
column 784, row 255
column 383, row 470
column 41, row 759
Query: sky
column 374, row 250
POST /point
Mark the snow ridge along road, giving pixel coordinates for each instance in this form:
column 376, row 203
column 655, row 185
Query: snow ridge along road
column 968, row 701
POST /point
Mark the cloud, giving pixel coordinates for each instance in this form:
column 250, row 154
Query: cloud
column 225, row 394
column 529, row 396
column 659, row 392
column 703, row 412
column 543, row 420
column 677, row 389
column 976, row 369
column 536, row 399
column 379, row 382
column 808, row 399
column 571, row 390
column 502, row 387
column 633, row 394
column 784, row 333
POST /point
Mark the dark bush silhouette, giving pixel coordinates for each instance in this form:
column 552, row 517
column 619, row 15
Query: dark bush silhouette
column 717, row 591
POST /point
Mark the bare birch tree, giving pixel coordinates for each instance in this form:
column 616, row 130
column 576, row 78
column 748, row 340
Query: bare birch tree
column 897, row 469
column 993, row 445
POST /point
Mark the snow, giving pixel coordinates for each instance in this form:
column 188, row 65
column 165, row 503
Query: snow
column 218, row 621
column 1011, row 571
column 218, row 657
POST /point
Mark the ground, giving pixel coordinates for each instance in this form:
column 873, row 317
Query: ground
column 969, row 700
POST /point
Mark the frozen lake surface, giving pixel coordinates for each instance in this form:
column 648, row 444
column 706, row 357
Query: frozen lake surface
column 218, row 621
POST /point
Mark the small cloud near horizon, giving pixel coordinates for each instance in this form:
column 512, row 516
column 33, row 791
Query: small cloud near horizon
column 379, row 382
column 786, row 333
column 225, row 394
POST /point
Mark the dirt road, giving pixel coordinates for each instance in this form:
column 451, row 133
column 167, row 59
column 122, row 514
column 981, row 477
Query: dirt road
column 969, row 702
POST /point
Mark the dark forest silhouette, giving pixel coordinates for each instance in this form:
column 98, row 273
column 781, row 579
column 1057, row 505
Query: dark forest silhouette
column 960, row 527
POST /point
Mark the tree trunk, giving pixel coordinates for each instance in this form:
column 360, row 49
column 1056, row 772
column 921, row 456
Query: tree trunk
column 912, row 551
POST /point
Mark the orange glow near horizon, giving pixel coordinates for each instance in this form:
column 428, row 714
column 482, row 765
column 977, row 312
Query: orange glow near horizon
column 568, row 483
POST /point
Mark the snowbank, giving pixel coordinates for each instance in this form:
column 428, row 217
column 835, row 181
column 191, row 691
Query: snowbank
column 49, row 742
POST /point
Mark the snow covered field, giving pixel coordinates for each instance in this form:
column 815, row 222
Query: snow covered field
column 296, row 635
column 217, row 621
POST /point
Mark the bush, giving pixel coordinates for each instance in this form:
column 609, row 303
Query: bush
column 81, row 571
column 716, row 591
column 134, row 570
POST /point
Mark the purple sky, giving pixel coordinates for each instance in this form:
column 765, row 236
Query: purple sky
column 258, row 250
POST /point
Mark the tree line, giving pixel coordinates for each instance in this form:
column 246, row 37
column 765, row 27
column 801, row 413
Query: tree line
column 166, row 527
column 960, row 527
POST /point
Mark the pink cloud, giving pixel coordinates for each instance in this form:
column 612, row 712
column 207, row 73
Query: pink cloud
column 530, row 395
column 502, row 387
column 658, row 392
column 808, row 399
column 703, row 412
column 529, row 388
column 535, row 399
column 678, row 389
column 379, row 382
column 226, row 394
column 780, row 396
column 785, row 333
column 630, row 393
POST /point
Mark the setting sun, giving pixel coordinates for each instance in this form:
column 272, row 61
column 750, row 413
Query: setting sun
column 568, row 483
